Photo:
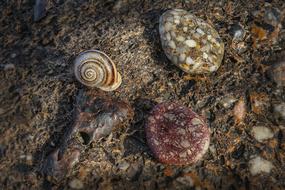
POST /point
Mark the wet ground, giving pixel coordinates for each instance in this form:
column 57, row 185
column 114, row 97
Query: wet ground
column 38, row 94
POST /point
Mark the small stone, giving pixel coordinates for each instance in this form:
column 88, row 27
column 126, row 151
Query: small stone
column 13, row 55
column 228, row 102
column 29, row 157
column 279, row 110
column 237, row 32
column 277, row 72
column 240, row 110
column 9, row 66
column 189, row 61
column 192, row 37
column 186, row 181
column 123, row 165
column 172, row 44
column 272, row 16
column 191, row 43
column 182, row 57
column 200, row 31
column 176, row 135
column 180, row 38
column 134, row 171
column 259, row 165
column 40, row 9
column 262, row 133
column 2, row 111
column 76, row 184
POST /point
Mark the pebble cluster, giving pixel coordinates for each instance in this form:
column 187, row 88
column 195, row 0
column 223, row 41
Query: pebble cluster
column 189, row 42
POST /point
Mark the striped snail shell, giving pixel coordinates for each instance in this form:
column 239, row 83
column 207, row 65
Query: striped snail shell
column 94, row 68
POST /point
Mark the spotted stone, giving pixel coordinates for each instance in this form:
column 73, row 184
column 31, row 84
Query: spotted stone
column 190, row 43
column 176, row 135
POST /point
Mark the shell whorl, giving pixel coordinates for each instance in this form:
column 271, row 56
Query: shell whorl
column 94, row 68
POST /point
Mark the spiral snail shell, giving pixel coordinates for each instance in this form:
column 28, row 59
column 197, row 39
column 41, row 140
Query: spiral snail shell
column 94, row 68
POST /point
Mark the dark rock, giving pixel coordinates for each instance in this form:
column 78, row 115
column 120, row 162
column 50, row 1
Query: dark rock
column 134, row 171
column 237, row 32
column 238, row 153
column 272, row 16
column 277, row 72
column 40, row 10
column 2, row 153
column 186, row 88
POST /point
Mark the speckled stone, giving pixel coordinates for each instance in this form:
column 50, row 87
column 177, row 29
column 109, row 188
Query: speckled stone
column 176, row 135
column 189, row 42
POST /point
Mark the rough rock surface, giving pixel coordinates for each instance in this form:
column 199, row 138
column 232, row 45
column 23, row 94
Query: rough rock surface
column 177, row 135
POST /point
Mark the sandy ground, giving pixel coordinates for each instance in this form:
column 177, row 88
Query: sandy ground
column 38, row 91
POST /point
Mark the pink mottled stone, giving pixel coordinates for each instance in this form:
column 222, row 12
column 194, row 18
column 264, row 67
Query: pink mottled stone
column 176, row 135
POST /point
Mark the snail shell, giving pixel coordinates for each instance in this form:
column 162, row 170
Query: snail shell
column 94, row 68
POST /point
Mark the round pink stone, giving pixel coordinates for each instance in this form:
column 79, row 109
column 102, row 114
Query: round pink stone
column 176, row 135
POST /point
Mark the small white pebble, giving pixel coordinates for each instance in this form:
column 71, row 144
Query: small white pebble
column 76, row 184
column 176, row 21
column 205, row 55
column 209, row 37
column 213, row 68
column 189, row 61
column 191, row 43
column 180, row 38
column 172, row 44
column 262, row 133
column 167, row 26
column 182, row 57
column 180, row 49
column 200, row 31
column 185, row 29
column 29, row 157
column 168, row 37
column 22, row 156
column 259, row 165
column 173, row 35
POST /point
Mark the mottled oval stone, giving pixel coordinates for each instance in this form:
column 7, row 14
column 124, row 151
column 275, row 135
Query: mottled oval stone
column 176, row 135
column 189, row 42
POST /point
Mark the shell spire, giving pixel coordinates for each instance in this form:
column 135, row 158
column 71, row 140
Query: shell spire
column 94, row 68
